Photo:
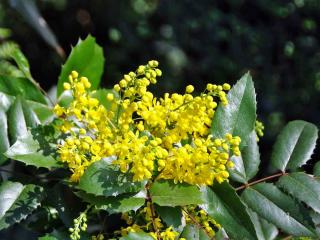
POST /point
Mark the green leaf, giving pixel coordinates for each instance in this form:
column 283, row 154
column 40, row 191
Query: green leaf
column 102, row 178
column 246, row 165
column 279, row 209
column 87, row 59
column 316, row 169
column 303, row 187
column 17, row 202
column 264, row 229
column 192, row 232
column 4, row 139
column 137, row 236
column 21, row 86
column 224, row 205
column 238, row 117
column 294, row 145
column 35, row 148
column 18, row 125
column 6, row 101
column 167, row 193
column 43, row 112
column 118, row 204
column 172, row 216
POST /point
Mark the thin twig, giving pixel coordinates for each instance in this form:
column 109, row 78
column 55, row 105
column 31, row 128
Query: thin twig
column 261, row 180
column 153, row 215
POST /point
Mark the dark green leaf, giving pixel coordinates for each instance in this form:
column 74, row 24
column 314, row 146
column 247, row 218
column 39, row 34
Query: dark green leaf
column 264, row 229
column 137, row 236
column 316, row 169
column 17, row 126
column 101, row 178
column 279, row 209
column 246, row 165
column 17, row 202
column 303, row 187
column 192, row 232
column 224, row 205
column 4, row 139
column 238, row 117
column 35, row 148
column 87, row 59
column 167, row 193
column 21, row 86
column 118, row 204
column 172, row 216
column 294, row 145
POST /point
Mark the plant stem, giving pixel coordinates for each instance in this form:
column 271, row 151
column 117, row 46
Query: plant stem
column 153, row 215
column 261, row 180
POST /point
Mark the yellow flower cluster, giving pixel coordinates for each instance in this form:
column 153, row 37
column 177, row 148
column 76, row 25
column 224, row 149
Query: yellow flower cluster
column 152, row 223
column 192, row 214
column 150, row 137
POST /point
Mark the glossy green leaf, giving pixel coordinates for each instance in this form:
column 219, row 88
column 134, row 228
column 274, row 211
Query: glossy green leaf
column 4, row 139
column 303, row 187
column 30, row 116
column 18, row 125
column 17, row 202
column 87, row 59
column 238, row 117
column 172, row 216
column 137, row 236
column 193, row 232
column 246, row 165
column 118, row 204
column 101, row 95
column 224, row 205
column 279, row 209
column 294, row 145
column 35, row 149
column 102, row 178
column 316, row 169
column 21, row 86
column 167, row 193
column 43, row 112
column 264, row 229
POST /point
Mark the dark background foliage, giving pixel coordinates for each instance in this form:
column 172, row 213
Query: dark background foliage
column 196, row 42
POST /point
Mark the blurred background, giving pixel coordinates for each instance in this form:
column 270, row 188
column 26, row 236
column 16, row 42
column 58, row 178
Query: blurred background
column 196, row 42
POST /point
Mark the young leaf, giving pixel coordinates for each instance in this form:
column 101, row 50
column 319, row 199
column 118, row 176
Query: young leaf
column 238, row 117
column 264, row 229
column 192, row 232
column 34, row 149
column 4, row 139
column 246, row 165
column 167, row 193
column 87, row 59
column 21, row 86
column 303, row 187
column 118, row 204
column 279, row 209
column 294, row 145
column 17, row 202
column 102, row 178
column 224, row 205
column 137, row 236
